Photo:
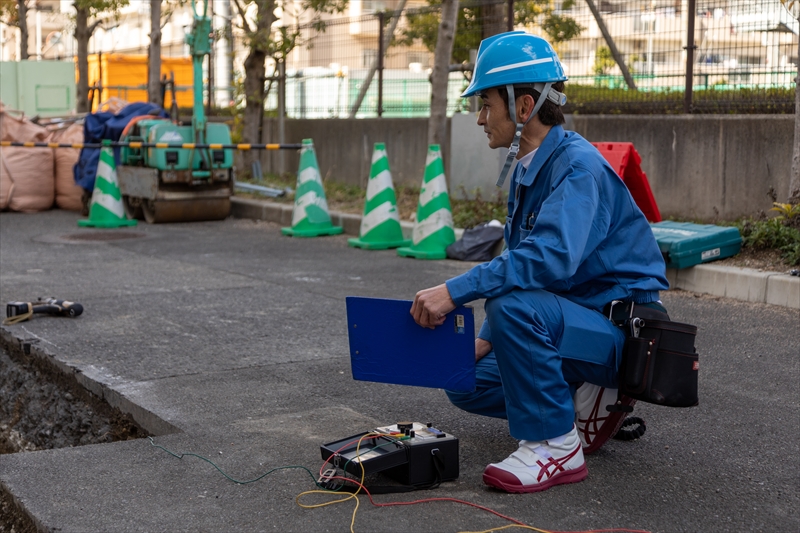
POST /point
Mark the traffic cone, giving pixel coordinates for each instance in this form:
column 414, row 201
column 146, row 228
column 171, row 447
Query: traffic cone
column 380, row 225
column 310, row 216
column 433, row 230
column 106, row 209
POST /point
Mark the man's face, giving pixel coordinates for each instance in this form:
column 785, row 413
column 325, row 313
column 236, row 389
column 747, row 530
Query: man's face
column 494, row 119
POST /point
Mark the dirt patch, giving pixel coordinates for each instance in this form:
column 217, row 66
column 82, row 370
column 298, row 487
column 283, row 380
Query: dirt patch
column 41, row 408
column 764, row 260
column 12, row 519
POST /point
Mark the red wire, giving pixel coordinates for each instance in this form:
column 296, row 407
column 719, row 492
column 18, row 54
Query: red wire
column 475, row 505
column 605, row 531
column 427, row 500
column 454, row 500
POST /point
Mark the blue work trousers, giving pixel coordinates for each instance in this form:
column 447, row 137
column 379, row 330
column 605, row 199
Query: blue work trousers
column 544, row 346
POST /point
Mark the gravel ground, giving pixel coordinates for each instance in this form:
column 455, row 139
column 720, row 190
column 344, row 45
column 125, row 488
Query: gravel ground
column 41, row 409
column 11, row 519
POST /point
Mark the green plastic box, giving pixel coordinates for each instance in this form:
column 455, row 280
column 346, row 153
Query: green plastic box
column 684, row 244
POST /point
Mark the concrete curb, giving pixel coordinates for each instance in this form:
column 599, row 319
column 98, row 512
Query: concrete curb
column 111, row 393
column 731, row 282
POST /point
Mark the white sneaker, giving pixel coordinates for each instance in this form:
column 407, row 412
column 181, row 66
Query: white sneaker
column 537, row 466
column 594, row 422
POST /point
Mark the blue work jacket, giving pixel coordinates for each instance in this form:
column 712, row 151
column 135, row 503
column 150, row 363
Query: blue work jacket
column 572, row 229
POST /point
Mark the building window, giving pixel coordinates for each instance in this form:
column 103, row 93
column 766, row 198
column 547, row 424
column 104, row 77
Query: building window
column 368, row 57
column 372, row 6
column 421, row 58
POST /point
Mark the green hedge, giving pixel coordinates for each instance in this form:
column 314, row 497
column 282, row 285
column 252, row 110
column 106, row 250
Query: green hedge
column 590, row 99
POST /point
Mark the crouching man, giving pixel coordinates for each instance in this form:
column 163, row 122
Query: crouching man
column 547, row 354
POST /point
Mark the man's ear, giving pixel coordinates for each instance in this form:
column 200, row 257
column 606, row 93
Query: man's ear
column 525, row 106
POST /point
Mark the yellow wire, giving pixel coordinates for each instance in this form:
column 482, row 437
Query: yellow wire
column 507, row 527
column 361, row 485
column 10, row 321
column 349, row 496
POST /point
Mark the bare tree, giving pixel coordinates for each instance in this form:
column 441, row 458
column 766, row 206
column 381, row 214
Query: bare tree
column 14, row 13
column 493, row 15
column 263, row 42
column 437, row 124
column 154, row 54
column 86, row 10
column 258, row 38
column 22, row 20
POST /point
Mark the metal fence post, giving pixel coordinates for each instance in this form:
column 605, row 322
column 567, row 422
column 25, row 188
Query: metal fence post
column 510, row 15
column 690, row 47
column 381, row 19
column 281, row 113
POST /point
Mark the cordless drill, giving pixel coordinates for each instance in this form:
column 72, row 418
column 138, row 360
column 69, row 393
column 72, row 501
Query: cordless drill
column 21, row 311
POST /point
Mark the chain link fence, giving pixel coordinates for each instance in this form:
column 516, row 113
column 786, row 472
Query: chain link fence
column 626, row 56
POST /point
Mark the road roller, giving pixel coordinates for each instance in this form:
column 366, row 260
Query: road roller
column 179, row 184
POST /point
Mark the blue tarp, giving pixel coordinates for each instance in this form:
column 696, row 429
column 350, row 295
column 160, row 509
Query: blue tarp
column 101, row 126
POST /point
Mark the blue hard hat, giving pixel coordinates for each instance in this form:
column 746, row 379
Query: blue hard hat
column 514, row 58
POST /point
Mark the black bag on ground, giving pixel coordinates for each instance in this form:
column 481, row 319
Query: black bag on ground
column 660, row 364
column 476, row 244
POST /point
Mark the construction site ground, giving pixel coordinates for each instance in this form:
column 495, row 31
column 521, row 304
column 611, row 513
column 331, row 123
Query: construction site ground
column 229, row 341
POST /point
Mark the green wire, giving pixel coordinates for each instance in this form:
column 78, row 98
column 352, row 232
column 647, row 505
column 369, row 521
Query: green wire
column 209, row 461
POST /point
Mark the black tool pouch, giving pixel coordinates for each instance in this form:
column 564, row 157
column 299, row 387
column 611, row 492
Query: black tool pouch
column 659, row 365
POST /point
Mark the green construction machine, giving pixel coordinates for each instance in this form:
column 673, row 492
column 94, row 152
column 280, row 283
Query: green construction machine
column 179, row 184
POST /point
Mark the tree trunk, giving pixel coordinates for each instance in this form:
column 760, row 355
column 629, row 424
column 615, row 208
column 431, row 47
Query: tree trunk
column 82, row 35
column 154, row 55
column 255, row 77
column 254, row 74
column 494, row 18
column 22, row 20
column 794, row 179
column 437, row 124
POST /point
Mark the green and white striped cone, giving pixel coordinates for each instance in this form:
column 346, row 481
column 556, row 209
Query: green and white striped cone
column 380, row 225
column 310, row 216
column 106, row 209
column 433, row 230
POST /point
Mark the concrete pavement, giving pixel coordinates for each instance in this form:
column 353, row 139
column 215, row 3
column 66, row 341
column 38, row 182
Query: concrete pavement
column 745, row 284
column 229, row 340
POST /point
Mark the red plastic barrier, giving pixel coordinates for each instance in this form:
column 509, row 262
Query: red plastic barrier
column 625, row 160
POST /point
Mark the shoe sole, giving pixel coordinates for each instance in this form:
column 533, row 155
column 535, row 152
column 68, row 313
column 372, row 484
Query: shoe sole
column 562, row 478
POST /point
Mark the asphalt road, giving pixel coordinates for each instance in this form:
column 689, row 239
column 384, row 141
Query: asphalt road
column 229, row 340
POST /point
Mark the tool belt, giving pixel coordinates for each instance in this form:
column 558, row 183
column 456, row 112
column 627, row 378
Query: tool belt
column 659, row 362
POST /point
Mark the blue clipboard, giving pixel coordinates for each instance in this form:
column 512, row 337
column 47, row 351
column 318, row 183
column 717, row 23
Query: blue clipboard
column 387, row 346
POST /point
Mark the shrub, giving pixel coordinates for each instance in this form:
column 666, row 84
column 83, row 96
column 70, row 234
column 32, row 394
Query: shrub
column 775, row 233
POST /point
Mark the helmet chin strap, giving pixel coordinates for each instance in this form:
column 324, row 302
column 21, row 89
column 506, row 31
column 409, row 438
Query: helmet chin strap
column 513, row 150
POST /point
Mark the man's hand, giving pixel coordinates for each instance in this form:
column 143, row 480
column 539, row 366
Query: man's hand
column 431, row 305
column 482, row 348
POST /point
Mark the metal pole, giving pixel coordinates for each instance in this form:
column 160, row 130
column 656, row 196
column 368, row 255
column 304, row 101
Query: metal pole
column 99, row 81
column 381, row 19
column 211, row 50
column 510, row 15
column 281, row 112
column 690, row 47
